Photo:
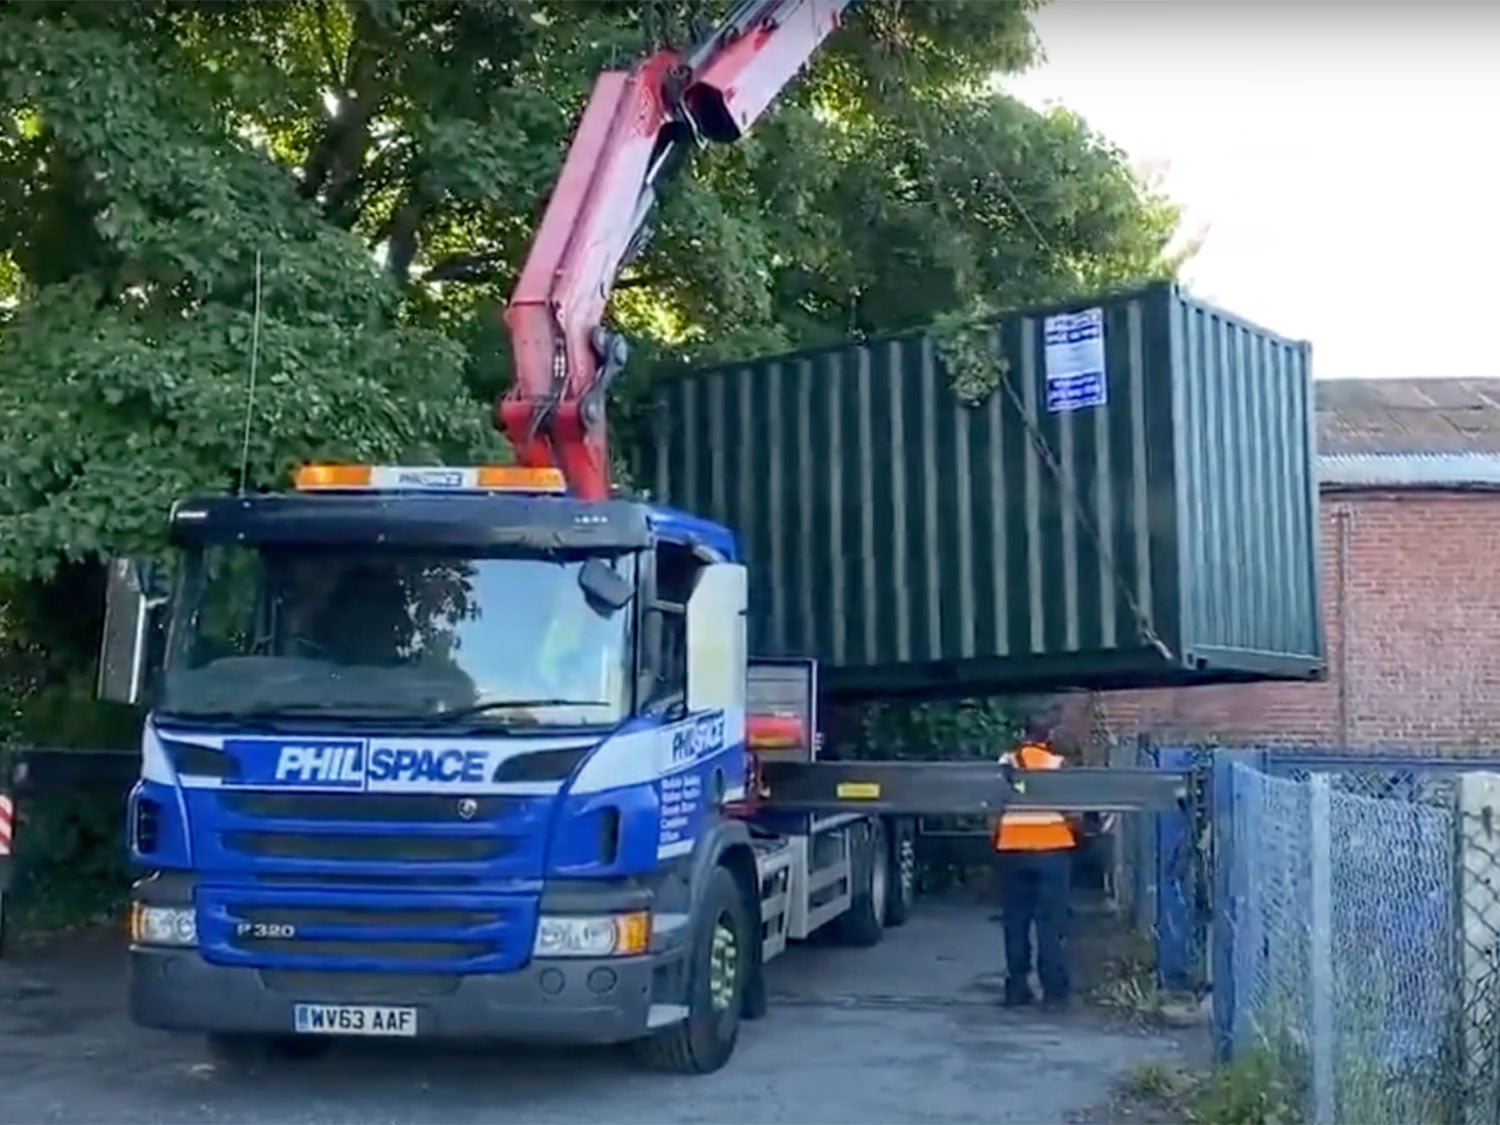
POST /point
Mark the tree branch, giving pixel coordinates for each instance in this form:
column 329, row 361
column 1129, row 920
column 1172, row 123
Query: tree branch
column 469, row 267
column 403, row 230
column 336, row 71
column 489, row 267
column 336, row 159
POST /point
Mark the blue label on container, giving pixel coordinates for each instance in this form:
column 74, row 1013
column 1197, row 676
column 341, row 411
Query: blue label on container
column 1074, row 361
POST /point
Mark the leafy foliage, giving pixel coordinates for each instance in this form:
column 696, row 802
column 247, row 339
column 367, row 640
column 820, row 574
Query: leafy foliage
column 974, row 370
column 366, row 174
column 124, row 368
column 71, row 866
column 928, row 731
column 151, row 153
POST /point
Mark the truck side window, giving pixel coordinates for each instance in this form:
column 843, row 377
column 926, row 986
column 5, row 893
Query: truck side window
column 676, row 568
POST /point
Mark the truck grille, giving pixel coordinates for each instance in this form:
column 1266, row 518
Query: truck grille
column 333, row 916
column 366, row 883
column 423, row 880
column 422, row 840
column 389, row 848
column 329, row 930
column 401, row 809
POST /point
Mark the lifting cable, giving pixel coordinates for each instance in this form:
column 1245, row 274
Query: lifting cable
column 1038, row 440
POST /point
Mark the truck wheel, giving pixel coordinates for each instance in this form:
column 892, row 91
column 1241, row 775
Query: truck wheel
column 703, row 1042
column 245, row 1053
column 903, row 874
column 864, row 922
column 757, row 1000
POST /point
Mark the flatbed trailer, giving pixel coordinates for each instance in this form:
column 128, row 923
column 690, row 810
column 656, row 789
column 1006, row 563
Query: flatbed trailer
column 836, row 842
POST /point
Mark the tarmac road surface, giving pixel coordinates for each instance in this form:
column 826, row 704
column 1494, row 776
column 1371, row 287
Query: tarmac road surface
column 908, row 1031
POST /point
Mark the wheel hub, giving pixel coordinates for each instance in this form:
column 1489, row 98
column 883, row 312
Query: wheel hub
column 879, row 866
column 723, row 965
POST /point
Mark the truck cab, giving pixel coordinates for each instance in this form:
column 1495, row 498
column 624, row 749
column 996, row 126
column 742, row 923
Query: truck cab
column 440, row 752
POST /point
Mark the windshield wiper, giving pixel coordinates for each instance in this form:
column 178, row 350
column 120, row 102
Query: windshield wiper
column 195, row 716
column 495, row 705
column 270, row 712
column 326, row 707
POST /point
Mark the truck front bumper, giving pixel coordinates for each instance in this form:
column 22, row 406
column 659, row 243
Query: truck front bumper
column 563, row 1001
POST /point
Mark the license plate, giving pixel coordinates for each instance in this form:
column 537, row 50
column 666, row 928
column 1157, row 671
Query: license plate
column 353, row 1019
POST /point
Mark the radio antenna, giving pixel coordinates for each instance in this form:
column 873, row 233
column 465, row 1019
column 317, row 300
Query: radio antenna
column 255, row 318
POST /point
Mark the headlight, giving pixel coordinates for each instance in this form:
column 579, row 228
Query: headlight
column 163, row 925
column 606, row 935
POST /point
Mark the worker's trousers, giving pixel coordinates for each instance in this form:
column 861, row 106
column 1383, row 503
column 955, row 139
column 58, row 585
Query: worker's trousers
column 1034, row 890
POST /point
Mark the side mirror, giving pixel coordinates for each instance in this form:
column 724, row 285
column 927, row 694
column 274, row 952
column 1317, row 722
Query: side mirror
column 716, row 639
column 132, row 607
column 650, row 648
column 604, row 586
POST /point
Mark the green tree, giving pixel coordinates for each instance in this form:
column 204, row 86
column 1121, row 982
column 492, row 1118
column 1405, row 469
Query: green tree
column 367, row 174
column 336, row 195
column 164, row 262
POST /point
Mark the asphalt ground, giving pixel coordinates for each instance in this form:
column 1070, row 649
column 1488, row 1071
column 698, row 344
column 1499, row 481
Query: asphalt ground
column 906, row 1031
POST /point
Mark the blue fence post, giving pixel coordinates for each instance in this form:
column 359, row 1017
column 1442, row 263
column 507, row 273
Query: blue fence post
column 1229, row 891
column 1143, row 855
column 1175, row 947
column 1222, row 789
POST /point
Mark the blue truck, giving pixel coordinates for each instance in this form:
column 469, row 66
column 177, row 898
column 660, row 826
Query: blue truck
column 463, row 752
column 480, row 752
column 447, row 752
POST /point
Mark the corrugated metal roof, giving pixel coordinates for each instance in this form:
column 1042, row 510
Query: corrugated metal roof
column 1410, row 470
column 1412, row 416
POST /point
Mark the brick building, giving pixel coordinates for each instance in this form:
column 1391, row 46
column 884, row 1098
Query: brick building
column 1410, row 581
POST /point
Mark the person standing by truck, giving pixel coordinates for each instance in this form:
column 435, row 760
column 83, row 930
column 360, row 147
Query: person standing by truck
column 1035, row 852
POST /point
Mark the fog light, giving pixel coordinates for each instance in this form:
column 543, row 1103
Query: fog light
column 163, row 925
column 605, row 935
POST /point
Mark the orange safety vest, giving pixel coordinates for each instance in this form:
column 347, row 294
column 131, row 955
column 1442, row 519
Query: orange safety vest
column 1033, row 830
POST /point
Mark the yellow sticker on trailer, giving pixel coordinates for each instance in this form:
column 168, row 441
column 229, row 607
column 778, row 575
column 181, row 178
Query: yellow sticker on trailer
column 859, row 790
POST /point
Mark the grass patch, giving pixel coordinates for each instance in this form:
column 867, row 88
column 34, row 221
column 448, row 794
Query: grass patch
column 1157, row 1081
column 1269, row 1086
column 1251, row 1090
column 1129, row 985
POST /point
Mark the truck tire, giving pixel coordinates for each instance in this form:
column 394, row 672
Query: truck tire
column 246, row 1053
column 863, row 924
column 903, row 871
column 703, row 1042
column 757, row 999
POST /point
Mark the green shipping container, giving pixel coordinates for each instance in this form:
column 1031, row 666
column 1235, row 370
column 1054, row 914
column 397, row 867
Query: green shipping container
column 1134, row 506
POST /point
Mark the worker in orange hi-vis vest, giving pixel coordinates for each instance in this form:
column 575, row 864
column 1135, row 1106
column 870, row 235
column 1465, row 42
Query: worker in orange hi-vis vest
column 1036, row 868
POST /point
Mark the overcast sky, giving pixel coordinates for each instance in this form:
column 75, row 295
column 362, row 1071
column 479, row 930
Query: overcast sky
column 1341, row 154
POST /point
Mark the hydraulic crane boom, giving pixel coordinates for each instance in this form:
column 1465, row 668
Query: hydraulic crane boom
column 636, row 127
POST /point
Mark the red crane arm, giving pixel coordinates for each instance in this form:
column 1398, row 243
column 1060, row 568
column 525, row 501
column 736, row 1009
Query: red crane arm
column 636, row 127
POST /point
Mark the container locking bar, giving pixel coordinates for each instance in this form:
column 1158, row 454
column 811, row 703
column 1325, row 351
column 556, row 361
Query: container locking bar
column 958, row 788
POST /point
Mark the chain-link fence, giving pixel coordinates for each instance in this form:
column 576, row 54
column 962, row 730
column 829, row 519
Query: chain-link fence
column 1365, row 907
column 1344, row 911
column 1478, row 945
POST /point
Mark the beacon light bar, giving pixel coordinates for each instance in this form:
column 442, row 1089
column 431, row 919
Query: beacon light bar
column 428, row 478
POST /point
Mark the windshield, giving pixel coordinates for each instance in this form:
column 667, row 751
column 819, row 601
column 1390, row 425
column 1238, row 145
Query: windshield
column 395, row 634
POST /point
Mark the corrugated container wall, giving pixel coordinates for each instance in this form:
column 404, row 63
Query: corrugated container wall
column 1134, row 506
